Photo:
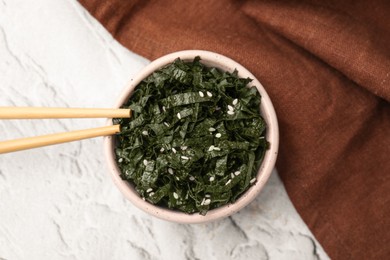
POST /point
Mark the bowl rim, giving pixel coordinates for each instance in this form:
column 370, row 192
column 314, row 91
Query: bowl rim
column 272, row 134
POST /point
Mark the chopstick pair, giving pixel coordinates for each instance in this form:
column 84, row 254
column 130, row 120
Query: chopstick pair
column 50, row 113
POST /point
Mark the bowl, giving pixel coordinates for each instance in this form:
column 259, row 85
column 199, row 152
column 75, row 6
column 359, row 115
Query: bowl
column 224, row 63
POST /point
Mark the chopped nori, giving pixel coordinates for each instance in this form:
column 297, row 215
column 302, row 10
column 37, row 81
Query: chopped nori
column 196, row 137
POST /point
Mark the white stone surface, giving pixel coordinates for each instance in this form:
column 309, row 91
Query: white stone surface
column 59, row 202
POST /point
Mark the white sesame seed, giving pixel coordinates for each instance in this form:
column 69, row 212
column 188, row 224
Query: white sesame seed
column 184, row 157
column 162, row 149
column 145, row 132
column 201, row 94
column 211, row 148
column 228, row 182
column 145, row 162
column 237, row 173
column 207, row 196
column 166, row 124
column 120, row 160
column 183, row 148
column 202, row 201
column 178, row 115
column 235, row 101
column 253, row 180
column 173, row 150
column 218, row 135
column 230, row 112
column 143, row 198
column 177, row 178
column 217, row 149
column 209, row 94
column 175, row 195
column 230, row 108
column 170, row 170
column 207, row 202
column 192, row 178
column 212, row 178
column 164, row 109
column 232, row 175
column 151, row 194
column 149, row 190
column 211, row 129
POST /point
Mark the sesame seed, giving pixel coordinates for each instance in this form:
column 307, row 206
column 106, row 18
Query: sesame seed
column 211, row 148
column 253, row 180
column 230, row 112
column 228, row 182
column 178, row 115
column 177, row 178
column 166, row 124
column 162, row 149
column 207, row 202
column 237, row 173
column 209, row 94
column 151, row 194
column 170, row 170
column 230, row 108
column 232, row 175
column 202, row 201
column 164, row 109
column 217, row 149
column 211, row 129
column 145, row 132
column 207, row 196
column 184, row 148
column 145, row 162
column 175, row 195
column 235, row 101
column 120, row 160
column 143, row 198
column 192, row 178
column 173, row 150
column 184, row 157
column 201, row 94
column 212, row 178
column 149, row 190
column 218, row 135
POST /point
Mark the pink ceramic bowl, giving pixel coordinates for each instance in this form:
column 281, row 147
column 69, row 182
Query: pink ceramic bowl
column 210, row 59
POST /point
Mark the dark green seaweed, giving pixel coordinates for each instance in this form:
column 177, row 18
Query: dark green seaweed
column 182, row 148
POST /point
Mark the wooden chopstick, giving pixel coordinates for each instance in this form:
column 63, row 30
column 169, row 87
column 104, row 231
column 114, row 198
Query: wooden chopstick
column 39, row 141
column 47, row 113
column 43, row 112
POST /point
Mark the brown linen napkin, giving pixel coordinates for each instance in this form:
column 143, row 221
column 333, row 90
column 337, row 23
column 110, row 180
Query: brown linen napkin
column 326, row 66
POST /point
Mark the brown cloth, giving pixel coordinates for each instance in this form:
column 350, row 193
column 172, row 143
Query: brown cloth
column 326, row 66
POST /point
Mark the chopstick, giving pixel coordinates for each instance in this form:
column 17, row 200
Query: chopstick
column 45, row 140
column 46, row 113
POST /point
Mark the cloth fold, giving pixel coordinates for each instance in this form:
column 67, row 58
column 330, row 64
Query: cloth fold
column 325, row 65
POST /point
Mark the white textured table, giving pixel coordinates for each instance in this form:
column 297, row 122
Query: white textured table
column 59, row 202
